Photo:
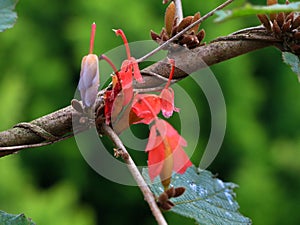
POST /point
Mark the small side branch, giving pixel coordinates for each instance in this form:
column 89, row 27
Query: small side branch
column 148, row 195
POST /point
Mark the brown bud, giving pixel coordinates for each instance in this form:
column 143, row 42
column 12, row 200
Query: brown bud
column 166, row 205
column 286, row 26
column 186, row 39
column 290, row 16
column 265, row 21
column 189, row 40
column 174, row 28
column 194, row 43
column 169, row 17
column 201, row 35
column 179, row 191
column 184, row 23
column 154, row 36
column 276, row 29
column 163, row 198
column 170, row 203
column 297, row 35
column 196, row 27
column 280, row 19
column 170, row 192
column 296, row 23
column 163, row 35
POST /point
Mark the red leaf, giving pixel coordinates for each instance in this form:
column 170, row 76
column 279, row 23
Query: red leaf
column 109, row 98
column 122, row 84
column 136, row 71
column 156, row 154
column 146, row 107
column 165, row 142
column 167, row 102
column 125, row 76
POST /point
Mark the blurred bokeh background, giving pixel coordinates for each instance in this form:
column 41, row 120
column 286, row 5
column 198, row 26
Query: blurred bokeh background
column 39, row 71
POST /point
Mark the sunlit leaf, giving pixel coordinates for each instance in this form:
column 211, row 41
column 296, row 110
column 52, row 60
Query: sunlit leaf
column 207, row 200
column 10, row 219
column 7, row 15
column 293, row 61
column 250, row 10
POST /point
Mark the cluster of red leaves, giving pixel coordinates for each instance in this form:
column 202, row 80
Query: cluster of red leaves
column 122, row 80
column 165, row 153
column 164, row 148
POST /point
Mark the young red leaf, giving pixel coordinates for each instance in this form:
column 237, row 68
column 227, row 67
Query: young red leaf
column 167, row 102
column 165, row 153
column 131, row 63
column 145, row 108
column 109, row 98
column 176, row 141
column 167, row 95
column 126, row 82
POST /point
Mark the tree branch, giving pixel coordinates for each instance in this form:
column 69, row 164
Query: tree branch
column 59, row 123
column 148, row 195
column 190, row 60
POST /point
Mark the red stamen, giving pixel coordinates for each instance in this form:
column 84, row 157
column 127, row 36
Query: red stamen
column 119, row 32
column 104, row 57
column 172, row 62
column 93, row 32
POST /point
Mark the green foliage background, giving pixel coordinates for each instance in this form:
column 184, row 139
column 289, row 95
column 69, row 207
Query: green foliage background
column 39, row 70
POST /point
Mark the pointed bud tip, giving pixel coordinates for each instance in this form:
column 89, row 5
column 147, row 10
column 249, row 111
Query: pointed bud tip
column 118, row 32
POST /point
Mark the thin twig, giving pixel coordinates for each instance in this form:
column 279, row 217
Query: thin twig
column 136, row 175
column 183, row 31
column 179, row 12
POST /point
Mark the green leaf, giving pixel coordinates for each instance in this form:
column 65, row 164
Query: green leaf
column 7, row 16
column 293, row 61
column 10, row 219
column 208, row 200
column 250, row 10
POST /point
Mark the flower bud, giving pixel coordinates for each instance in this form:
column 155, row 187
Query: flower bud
column 89, row 80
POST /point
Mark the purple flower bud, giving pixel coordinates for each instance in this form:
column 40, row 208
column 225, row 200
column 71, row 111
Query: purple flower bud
column 89, row 80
